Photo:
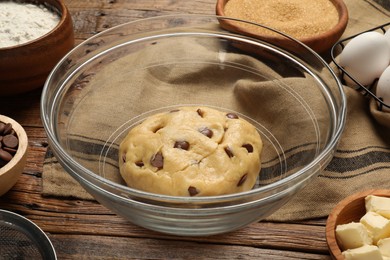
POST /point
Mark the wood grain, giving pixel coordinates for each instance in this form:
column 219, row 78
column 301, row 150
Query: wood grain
column 88, row 217
column 82, row 229
column 79, row 247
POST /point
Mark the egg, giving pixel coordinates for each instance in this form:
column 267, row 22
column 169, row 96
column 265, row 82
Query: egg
column 387, row 35
column 365, row 57
column 383, row 88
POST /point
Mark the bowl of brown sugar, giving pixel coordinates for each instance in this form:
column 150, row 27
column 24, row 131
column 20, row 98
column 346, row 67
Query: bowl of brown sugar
column 34, row 36
column 318, row 24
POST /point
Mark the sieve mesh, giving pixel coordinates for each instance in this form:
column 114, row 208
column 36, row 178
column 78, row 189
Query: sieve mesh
column 22, row 239
column 16, row 245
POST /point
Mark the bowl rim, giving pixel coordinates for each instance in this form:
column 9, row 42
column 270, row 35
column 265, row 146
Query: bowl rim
column 23, row 144
column 63, row 14
column 57, row 149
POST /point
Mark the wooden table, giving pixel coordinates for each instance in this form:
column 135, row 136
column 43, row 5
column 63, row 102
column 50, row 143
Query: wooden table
column 82, row 229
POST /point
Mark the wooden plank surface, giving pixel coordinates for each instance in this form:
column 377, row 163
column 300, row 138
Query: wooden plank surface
column 85, row 229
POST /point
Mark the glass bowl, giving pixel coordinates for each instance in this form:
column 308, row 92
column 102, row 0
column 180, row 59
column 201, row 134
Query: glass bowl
column 116, row 79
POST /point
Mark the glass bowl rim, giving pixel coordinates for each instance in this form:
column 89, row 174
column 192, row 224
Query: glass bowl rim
column 82, row 171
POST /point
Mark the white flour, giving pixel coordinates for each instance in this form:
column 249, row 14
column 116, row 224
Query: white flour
column 21, row 23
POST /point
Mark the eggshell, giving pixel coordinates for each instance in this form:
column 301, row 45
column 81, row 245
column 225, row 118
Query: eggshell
column 387, row 35
column 383, row 88
column 365, row 57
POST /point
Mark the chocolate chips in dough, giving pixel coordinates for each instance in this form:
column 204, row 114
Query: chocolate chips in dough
column 191, row 151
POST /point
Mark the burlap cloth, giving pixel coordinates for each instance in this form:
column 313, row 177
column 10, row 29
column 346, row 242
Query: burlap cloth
column 362, row 160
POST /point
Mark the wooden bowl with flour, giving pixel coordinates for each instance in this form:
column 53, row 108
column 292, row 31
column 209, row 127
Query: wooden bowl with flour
column 39, row 34
column 318, row 24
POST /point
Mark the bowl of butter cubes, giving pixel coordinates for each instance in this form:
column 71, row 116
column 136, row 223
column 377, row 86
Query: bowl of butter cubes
column 359, row 227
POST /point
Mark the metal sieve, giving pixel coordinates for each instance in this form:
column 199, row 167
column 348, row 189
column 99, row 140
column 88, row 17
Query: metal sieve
column 20, row 238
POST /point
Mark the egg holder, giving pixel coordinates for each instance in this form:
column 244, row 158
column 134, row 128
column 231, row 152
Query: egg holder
column 364, row 90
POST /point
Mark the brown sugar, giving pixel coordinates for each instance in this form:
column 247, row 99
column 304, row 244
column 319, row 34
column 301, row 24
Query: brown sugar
column 297, row 18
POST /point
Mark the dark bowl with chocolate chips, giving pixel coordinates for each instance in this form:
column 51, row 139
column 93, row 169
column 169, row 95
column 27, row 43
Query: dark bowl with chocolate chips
column 13, row 152
column 117, row 79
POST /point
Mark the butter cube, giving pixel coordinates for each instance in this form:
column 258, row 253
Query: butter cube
column 380, row 205
column 366, row 252
column 352, row 235
column 384, row 247
column 377, row 225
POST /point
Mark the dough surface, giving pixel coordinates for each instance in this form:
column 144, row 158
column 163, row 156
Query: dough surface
column 191, row 151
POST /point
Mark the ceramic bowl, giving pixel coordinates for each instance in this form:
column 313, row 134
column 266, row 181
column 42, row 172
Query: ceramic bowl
column 116, row 79
column 25, row 67
column 348, row 210
column 319, row 43
column 11, row 171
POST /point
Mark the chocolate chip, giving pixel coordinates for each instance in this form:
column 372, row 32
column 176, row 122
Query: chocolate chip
column 192, row 191
column 7, row 129
column 231, row 116
column 229, row 152
column 184, row 145
column 2, row 127
column 206, row 131
column 10, row 141
column 157, row 160
column 242, row 180
column 200, row 112
column 5, row 156
column 248, row 147
column 140, row 164
column 124, row 158
column 10, row 150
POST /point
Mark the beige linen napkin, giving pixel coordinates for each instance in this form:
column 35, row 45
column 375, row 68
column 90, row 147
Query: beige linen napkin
column 362, row 160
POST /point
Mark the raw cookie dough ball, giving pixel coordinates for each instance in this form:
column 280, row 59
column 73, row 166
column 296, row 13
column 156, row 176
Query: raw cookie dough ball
column 191, row 151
